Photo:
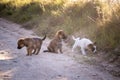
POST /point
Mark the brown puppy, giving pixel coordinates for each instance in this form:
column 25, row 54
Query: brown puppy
column 33, row 45
column 56, row 43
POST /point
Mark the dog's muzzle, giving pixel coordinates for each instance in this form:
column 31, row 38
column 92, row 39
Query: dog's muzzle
column 19, row 47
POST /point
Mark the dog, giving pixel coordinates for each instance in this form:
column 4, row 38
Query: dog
column 84, row 44
column 56, row 44
column 33, row 45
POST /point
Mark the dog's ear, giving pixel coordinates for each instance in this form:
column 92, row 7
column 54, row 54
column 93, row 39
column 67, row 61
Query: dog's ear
column 21, row 41
column 60, row 32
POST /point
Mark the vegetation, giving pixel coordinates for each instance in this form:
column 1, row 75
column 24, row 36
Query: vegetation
column 99, row 20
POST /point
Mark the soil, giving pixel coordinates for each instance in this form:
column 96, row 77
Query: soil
column 15, row 65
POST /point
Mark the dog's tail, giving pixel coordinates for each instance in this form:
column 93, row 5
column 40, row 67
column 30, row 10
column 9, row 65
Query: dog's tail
column 44, row 37
column 73, row 38
column 46, row 51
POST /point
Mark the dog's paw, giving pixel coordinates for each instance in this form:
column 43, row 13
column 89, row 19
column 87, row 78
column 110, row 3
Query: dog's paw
column 72, row 50
column 27, row 54
column 84, row 54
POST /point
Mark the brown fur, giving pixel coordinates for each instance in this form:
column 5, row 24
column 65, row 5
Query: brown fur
column 56, row 43
column 33, row 45
column 91, row 47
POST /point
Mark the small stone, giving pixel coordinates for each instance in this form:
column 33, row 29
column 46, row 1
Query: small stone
column 1, row 52
column 59, row 75
column 78, row 76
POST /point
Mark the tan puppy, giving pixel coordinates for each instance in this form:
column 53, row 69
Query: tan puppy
column 33, row 45
column 56, row 43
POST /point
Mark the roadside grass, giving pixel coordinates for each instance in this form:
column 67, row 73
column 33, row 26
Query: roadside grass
column 96, row 20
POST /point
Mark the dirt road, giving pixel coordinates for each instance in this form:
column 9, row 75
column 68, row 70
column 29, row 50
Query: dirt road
column 15, row 65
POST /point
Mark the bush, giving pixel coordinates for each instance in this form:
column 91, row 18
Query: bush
column 93, row 19
column 21, row 14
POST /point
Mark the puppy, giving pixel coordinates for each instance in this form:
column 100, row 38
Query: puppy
column 56, row 43
column 84, row 44
column 33, row 45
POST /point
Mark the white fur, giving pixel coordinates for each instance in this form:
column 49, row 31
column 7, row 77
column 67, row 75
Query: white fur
column 82, row 43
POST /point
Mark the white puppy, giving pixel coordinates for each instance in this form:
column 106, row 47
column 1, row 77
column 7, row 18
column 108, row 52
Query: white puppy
column 84, row 43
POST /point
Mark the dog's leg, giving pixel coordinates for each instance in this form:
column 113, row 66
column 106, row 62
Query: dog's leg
column 61, row 49
column 83, row 51
column 38, row 50
column 55, row 50
column 51, row 50
column 74, row 46
column 34, row 51
column 29, row 52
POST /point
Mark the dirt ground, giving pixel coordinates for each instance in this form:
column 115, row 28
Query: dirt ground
column 15, row 65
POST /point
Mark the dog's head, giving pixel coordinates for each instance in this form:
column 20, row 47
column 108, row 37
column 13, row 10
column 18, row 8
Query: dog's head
column 92, row 47
column 20, row 43
column 61, row 34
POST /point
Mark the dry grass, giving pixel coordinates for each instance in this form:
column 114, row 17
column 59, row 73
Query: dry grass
column 96, row 20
